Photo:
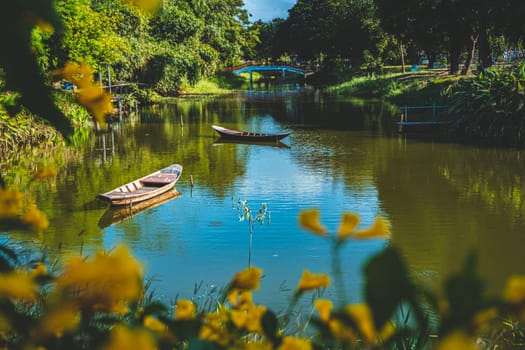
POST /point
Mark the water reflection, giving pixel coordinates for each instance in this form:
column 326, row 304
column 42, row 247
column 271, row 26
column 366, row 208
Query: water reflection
column 443, row 200
column 117, row 214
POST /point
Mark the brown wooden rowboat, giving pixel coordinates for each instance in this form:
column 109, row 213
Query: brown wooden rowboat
column 246, row 135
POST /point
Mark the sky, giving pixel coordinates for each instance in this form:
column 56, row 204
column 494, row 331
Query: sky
column 266, row 10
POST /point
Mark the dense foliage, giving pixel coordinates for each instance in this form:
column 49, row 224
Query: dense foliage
column 491, row 106
column 373, row 32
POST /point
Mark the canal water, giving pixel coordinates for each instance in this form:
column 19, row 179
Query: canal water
column 443, row 200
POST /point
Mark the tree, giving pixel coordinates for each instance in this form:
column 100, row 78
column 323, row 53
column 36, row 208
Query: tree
column 89, row 36
column 336, row 30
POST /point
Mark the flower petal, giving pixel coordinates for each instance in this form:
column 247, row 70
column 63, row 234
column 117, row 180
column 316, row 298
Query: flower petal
column 379, row 229
column 309, row 220
column 348, row 224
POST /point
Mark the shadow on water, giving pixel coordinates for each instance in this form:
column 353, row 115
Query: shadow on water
column 115, row 215
column 223, row 141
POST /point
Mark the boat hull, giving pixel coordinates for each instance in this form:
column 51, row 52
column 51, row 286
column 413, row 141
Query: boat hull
column 247, row 136
column 145, row 188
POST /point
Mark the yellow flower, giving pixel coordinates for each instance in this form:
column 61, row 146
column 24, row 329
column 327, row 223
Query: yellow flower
column 362, row 316
column 310, row 281
column 185, row 310
column 260, row 345
column 348, row 224
column 153, row 324
column 324, row 307
column 483, row 318
column 457, row 340
column 249, row 319
column 341, row 332
column 123, row 338
column 514, row 292
column 214, row 328
column 105, row 283
column 247, row 279
column 240, row 300
column 57, row 322
column 291, row 343
column 35, row 218
column 309, row 220
column 39, row 270
column 96, row 101
column 379, row 229
column 17, row 285
column 90, row 94
column 45, row 173
column 10, row 202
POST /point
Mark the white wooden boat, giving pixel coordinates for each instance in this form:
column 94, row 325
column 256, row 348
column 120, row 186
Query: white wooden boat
column 144, row 188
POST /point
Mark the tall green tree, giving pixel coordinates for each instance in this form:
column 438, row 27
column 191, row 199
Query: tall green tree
column 335, row 29
column 89, row 35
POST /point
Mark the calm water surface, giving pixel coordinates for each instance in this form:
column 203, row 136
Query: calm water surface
column 442, row 199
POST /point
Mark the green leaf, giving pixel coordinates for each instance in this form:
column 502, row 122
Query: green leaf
column 387, row 285
column 464, row 293
column 269, row 325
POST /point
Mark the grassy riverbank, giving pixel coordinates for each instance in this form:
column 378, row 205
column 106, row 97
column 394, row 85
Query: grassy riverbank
column 412, row 88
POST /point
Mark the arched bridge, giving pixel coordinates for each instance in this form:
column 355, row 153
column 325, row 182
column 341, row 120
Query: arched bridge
column 282, row 68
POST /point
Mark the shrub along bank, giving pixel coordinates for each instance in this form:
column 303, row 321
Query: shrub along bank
column 488, row 107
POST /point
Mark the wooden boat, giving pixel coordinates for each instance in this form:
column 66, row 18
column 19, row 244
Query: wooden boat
column 144, row 188
column 117, row 214
column 245, row 135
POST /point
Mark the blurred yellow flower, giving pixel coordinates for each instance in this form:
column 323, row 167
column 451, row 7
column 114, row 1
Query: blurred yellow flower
column 249, row 319
column 456, row 341
column 348, row 225
column 482, row 319
column 185, row 309
column 324, row 307
column 96, row 101
column 247, row 279
column 17, row 285
column 309, row 220
column 514, row 292
column 45, row 173
column 57, row 322
column 10, row 202
column 214, row 328
column 105, row 283
column 362, row 316
column 292, row 343
column 379, row 229
column 387, row 331
column 39, row 270
column 240, row 300
column 91, row 95
column 341, row 332
column 35, row 218
column 260, row 345
column 123, row 338
column 310, row 281
column 154, row 324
